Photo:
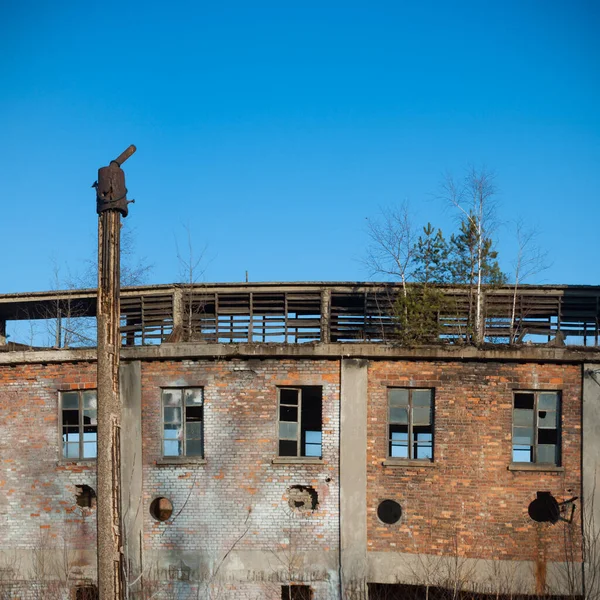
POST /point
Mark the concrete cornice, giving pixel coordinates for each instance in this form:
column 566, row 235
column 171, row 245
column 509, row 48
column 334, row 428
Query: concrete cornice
column 192, row 351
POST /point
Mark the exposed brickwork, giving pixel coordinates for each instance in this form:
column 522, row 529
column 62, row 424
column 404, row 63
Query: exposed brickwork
column 239, row 497
column 37, row 488
column 470, row 503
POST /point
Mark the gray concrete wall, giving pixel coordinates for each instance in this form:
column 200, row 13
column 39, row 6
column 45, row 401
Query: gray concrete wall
column 353, row 475
column 130, row 376
column 591, row 474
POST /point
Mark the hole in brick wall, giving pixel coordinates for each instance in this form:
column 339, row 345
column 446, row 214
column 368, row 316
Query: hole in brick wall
column 303, row 497
column 389, row 512
column 544, row 509
column 85, row 496
column 86, row 592
column 161, row 508
column 296, row 592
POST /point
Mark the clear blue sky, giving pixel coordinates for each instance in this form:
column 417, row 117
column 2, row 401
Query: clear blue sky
column 275, row 128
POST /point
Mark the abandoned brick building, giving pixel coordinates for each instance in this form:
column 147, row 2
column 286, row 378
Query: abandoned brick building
column 277, row 442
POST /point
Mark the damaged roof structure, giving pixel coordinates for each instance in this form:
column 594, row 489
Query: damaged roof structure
column 282, row 441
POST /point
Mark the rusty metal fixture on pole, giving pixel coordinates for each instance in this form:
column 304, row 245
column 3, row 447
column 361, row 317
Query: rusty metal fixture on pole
column 111, row 203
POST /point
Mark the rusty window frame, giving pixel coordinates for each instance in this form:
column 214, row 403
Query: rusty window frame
column 413, row 445
column 185, row 422
column 283, row 432
column 537, row 426
column 86, row 408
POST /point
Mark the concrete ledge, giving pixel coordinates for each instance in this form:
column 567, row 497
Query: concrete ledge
column 297, row 460
column 180, row 462
column 534, row 467
column 399, row 463
column 195, row 350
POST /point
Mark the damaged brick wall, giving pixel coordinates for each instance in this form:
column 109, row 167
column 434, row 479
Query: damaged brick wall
column 468, row 502
column 238, row 496
column 38, row 493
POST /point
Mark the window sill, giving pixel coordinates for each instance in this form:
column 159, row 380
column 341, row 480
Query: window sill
column 171, row 461
column 404, row 462
column 297, row 460
column 77, row 462
column 535, row 467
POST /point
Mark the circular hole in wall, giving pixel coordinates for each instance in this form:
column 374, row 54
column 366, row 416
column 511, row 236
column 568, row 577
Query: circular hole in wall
column 389, row 512
column 544, row 509
column 161, row 508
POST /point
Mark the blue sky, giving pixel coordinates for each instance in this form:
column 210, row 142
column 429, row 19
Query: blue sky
column 274, row 129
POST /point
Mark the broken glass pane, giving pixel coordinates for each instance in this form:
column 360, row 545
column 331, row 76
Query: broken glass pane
column 399, row 444
column 524, row 400
column 172, row 397
column 287, row 396
column 70, row 417
column 288, row 413
column 71, row 450
column 89, row 400
column 547, row 419
column 194, row 396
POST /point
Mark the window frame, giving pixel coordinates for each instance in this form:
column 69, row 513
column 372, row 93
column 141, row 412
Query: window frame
column 300, row 447
column 411, row 443
column 536, row 428
column 80, row 424
column 184, row 422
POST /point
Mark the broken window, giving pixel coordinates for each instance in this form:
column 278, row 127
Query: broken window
column 79, row 424
column 183, row 422
column 410, row 423
column 300, row 421
column 296, row 592
column 536, row 428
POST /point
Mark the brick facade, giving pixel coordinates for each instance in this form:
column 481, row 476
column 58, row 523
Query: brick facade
column 467, row 503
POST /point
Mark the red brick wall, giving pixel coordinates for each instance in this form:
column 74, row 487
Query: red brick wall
column 469, row 502
column 37, row 489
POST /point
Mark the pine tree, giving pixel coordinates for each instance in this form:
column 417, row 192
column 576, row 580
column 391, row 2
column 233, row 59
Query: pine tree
column 431, row 257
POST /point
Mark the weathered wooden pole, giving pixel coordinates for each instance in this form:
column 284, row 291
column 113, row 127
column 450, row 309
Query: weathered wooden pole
column 111, row 203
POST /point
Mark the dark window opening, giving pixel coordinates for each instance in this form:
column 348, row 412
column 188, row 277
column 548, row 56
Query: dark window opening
column 79, row 424
column 296, row 592
column 86, row 592
column 389, row 512
column 536, row 428
column 183, row 422
column 161, row 509
column 85, row 496
column 410, row 423
column 301, row 421
column 545, row 508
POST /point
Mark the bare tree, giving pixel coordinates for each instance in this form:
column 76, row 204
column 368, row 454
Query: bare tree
column 474, row 197
column 191, row 270
column 391, row 251
column 530, row 260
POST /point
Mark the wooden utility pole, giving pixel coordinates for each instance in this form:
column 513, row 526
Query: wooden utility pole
column 111, row 203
